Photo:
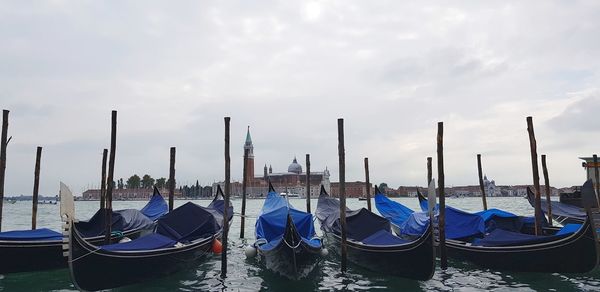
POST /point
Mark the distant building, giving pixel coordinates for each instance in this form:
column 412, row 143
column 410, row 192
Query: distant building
column 354, row 189
column 128, row 194
column 293, row 181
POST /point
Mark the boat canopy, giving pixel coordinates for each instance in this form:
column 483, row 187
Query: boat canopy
column 361, row 225
column 41, row 234
column 156, row 207
column 189, row 222
column 271, row 224
column 558, row 208
column 122, row 220
column 394, row 211
column 500, row 237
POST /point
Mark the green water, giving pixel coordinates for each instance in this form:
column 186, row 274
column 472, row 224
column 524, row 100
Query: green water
column 249, row 275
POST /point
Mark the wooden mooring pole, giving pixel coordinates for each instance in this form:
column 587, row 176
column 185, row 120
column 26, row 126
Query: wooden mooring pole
column 442, row 214
column 367, row 183
column 429, row 171
column 481, row 186
column 536, row 176
column 226, row 199
column 36, row 187
column 103, row 180
column 342, row 166
column 244, row 191
column 172, row 179
column 308, row 183
column 110, row 180
column 3, row 145
column 597, row 176
column 547, row 183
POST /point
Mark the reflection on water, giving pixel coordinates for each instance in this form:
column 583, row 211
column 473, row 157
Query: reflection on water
column 249, row 275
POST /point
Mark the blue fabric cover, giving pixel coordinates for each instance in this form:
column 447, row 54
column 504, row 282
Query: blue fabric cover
column 501, row 237
column 148, row 242
column 122, row 220
column 383, row 237
column 361, row 225
column 156, row 207
column 569, row 229
column 188, row 222
column 393, row 211
column 272, row 221
column 41, row 234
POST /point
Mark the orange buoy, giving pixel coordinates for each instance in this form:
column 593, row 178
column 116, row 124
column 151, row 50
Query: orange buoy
column 217, row 247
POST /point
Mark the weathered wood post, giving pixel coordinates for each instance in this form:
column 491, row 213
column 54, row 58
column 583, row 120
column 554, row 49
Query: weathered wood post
column 172, row 180
column 429, row 171
column 110, row 180
column 103, row 181
column 547, row 183
column 442, row 218
column 226, row 199
column 481, row 186
column 244, row 188
column 342, row 165
column 597, row 176
column 308, row 183
column 36, row 188
column 536, row 176
column 3, row 159
column 367, row 183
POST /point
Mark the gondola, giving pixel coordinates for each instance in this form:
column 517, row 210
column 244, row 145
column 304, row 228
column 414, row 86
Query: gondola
column 41, row 249
column 285, row 238
column 557, row 251
column 561, row 212
column 371, row 243
column 180, row 239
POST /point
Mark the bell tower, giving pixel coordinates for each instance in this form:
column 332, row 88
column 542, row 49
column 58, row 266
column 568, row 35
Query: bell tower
column 250, row 163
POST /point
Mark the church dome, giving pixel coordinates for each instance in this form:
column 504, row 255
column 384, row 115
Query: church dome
column 295, row 167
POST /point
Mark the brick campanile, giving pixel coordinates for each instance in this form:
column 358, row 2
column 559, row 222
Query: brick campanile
column 250, row 164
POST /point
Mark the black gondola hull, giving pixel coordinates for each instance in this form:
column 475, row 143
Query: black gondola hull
column 415, row 260
column 32, row 256
column 292, row 257
column 577, row 253
column 96, row 269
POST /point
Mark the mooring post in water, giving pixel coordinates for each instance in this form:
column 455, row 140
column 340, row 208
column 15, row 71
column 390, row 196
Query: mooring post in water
column 367, row 183
column 547, row 182
column 110, row 180
column 172, row 180
column 103, row 180
column 244, row 188
column 442, row 219
column 36, row 187
column 481, row 186
column 429, row 171
column 3, row 159
column 597, row 176
column 308, row 183
column 226, row 207
column 342, row 165
column 536, row 176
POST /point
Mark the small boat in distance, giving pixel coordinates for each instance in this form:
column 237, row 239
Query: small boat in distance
column 289, row 195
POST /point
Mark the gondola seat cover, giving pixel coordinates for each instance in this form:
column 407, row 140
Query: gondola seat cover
column 122, row 220
column 272, row 221
column 394, row 211
column 189, row 222
column 148, row 242
column 501, row 237
column 383, row 237
column 41, row 234
column 156, row 207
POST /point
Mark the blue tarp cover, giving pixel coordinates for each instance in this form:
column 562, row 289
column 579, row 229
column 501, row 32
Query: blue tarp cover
column 272, row 222
column 27, row 235
column 558, row 208
column 122, row 220
column 148, row 242
column 501, row 237
column 188, row 222
column 156, row 207
column 361, row 225
column 393, row 211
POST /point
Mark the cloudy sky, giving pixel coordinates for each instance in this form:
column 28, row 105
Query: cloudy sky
column 289, row 69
